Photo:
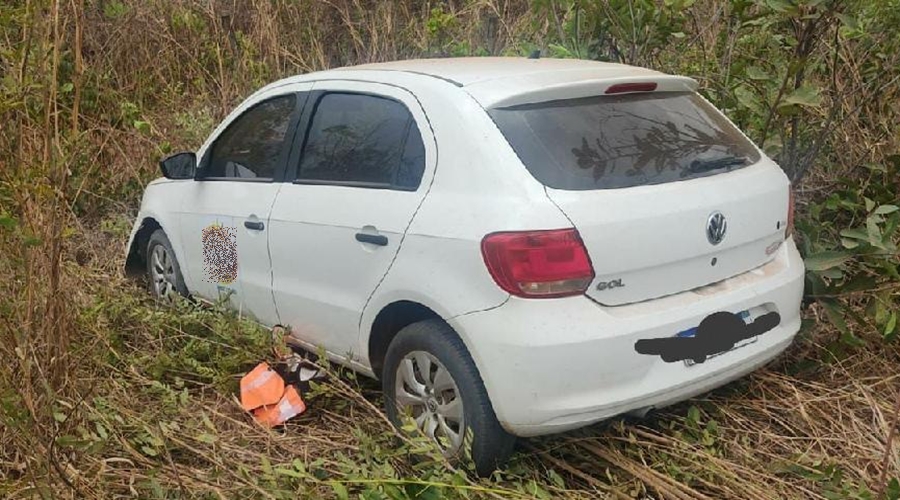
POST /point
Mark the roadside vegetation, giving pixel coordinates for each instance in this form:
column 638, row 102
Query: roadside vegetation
column 105, row 395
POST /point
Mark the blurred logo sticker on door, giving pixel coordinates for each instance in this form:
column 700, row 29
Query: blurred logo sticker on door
column 220, row 253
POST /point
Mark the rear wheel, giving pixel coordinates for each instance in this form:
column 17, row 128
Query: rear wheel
column 430, row 377
column 163, row 271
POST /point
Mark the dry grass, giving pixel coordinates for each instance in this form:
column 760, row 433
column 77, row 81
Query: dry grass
column 102, row 395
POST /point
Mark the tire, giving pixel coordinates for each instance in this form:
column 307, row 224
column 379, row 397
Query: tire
column 434, row 344
column 163, row 271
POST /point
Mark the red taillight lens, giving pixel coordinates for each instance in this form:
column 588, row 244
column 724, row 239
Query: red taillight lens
column 538, row 263
column 789, row 229
column 621, row 88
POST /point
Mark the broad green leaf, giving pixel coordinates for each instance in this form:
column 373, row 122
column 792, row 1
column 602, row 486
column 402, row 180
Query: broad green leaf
column 859, row 283
column 855, row 233
column 755, row 73
column 340, row 491
column 142, row 126
column 825, row 260
column 834, row 315
column 281, row 471
column 556, row 479
column 536, row 491
column 891, row 325
column 833, row 273
column 874, row 232
column 849, row 22
column 804, row 96
column 783, row 6
column 849, row 244
column 890, row 269
column 693, row 414
column 7, row 222
column 393, row 492
column 886, row 209
column 746, row 98
column 881, row 312
column 893, row 222
column 69, row 441
column 893, row 489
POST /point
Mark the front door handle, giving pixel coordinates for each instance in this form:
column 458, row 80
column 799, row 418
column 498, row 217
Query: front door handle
column 254, row 225
column 375, row 239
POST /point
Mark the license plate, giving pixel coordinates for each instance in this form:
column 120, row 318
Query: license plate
column 690, row 332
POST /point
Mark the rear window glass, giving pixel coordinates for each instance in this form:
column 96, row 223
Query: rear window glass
column 620, row 141
column 363, row 140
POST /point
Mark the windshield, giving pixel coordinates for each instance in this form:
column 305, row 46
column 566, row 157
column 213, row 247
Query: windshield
column 607, row 142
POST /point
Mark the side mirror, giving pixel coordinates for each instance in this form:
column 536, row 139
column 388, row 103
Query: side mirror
column 179, row 166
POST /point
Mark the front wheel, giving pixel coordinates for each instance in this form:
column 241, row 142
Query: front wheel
column 430, row 377
column 163, row 270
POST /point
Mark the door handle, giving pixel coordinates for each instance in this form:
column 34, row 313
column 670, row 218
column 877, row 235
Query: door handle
column 254, row 225
column 375, row 239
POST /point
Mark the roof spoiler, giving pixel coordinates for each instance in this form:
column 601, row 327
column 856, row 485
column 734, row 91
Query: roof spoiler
column 601, row 86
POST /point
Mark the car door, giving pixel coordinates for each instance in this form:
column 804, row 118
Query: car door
column 352, row 189
column 224, row 224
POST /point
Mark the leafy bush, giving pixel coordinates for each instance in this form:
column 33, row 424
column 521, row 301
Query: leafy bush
column 850, row 239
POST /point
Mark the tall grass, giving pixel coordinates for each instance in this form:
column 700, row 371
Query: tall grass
column 104, row 395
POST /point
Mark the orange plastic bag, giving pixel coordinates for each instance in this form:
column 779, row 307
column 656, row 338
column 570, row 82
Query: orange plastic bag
column 290, row 406
column 262, row 386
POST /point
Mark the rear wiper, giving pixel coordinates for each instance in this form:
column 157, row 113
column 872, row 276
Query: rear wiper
column 698, row 166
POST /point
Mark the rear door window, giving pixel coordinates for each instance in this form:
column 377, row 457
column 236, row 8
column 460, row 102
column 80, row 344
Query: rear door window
column 619, row 141
column 362, row 140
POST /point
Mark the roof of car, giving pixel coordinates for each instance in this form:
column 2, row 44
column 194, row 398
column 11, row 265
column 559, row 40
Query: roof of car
column 466, row 71
column 506, row 81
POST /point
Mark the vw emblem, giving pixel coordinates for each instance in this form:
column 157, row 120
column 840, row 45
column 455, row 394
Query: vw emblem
column 715, row 228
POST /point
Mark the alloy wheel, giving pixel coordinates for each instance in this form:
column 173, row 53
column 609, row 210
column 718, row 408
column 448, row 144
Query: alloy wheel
column 162, row 273
column 426, row 392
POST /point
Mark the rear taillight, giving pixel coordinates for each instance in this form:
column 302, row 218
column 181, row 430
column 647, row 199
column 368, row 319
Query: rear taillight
column 538, row 263
column 789, row 229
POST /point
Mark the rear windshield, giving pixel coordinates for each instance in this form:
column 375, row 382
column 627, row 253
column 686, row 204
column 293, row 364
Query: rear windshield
column 608, row 142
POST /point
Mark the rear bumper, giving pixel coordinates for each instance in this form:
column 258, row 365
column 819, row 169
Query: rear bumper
column 559, row 364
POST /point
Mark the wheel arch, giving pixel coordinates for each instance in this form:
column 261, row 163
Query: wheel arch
column 388, row 322
column 136, row 259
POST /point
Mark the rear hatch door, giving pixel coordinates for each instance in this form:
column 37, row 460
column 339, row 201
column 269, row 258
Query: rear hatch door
column 665, row 192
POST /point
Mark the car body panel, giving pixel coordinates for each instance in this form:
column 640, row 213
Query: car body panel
column 161, row 203
column 228, row 204
column 659, row 248
column 557, row 364
column 323, row 275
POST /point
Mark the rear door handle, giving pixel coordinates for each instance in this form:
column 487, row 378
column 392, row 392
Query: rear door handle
column 375, row 239
column 254, row 225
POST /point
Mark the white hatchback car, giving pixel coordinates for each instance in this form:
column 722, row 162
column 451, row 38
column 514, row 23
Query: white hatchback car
column 515, row 247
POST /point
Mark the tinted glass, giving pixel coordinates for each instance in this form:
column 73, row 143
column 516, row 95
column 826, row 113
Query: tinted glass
column 412, row 163
column 356, row 138
column 621, row 141
column 251, row 146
